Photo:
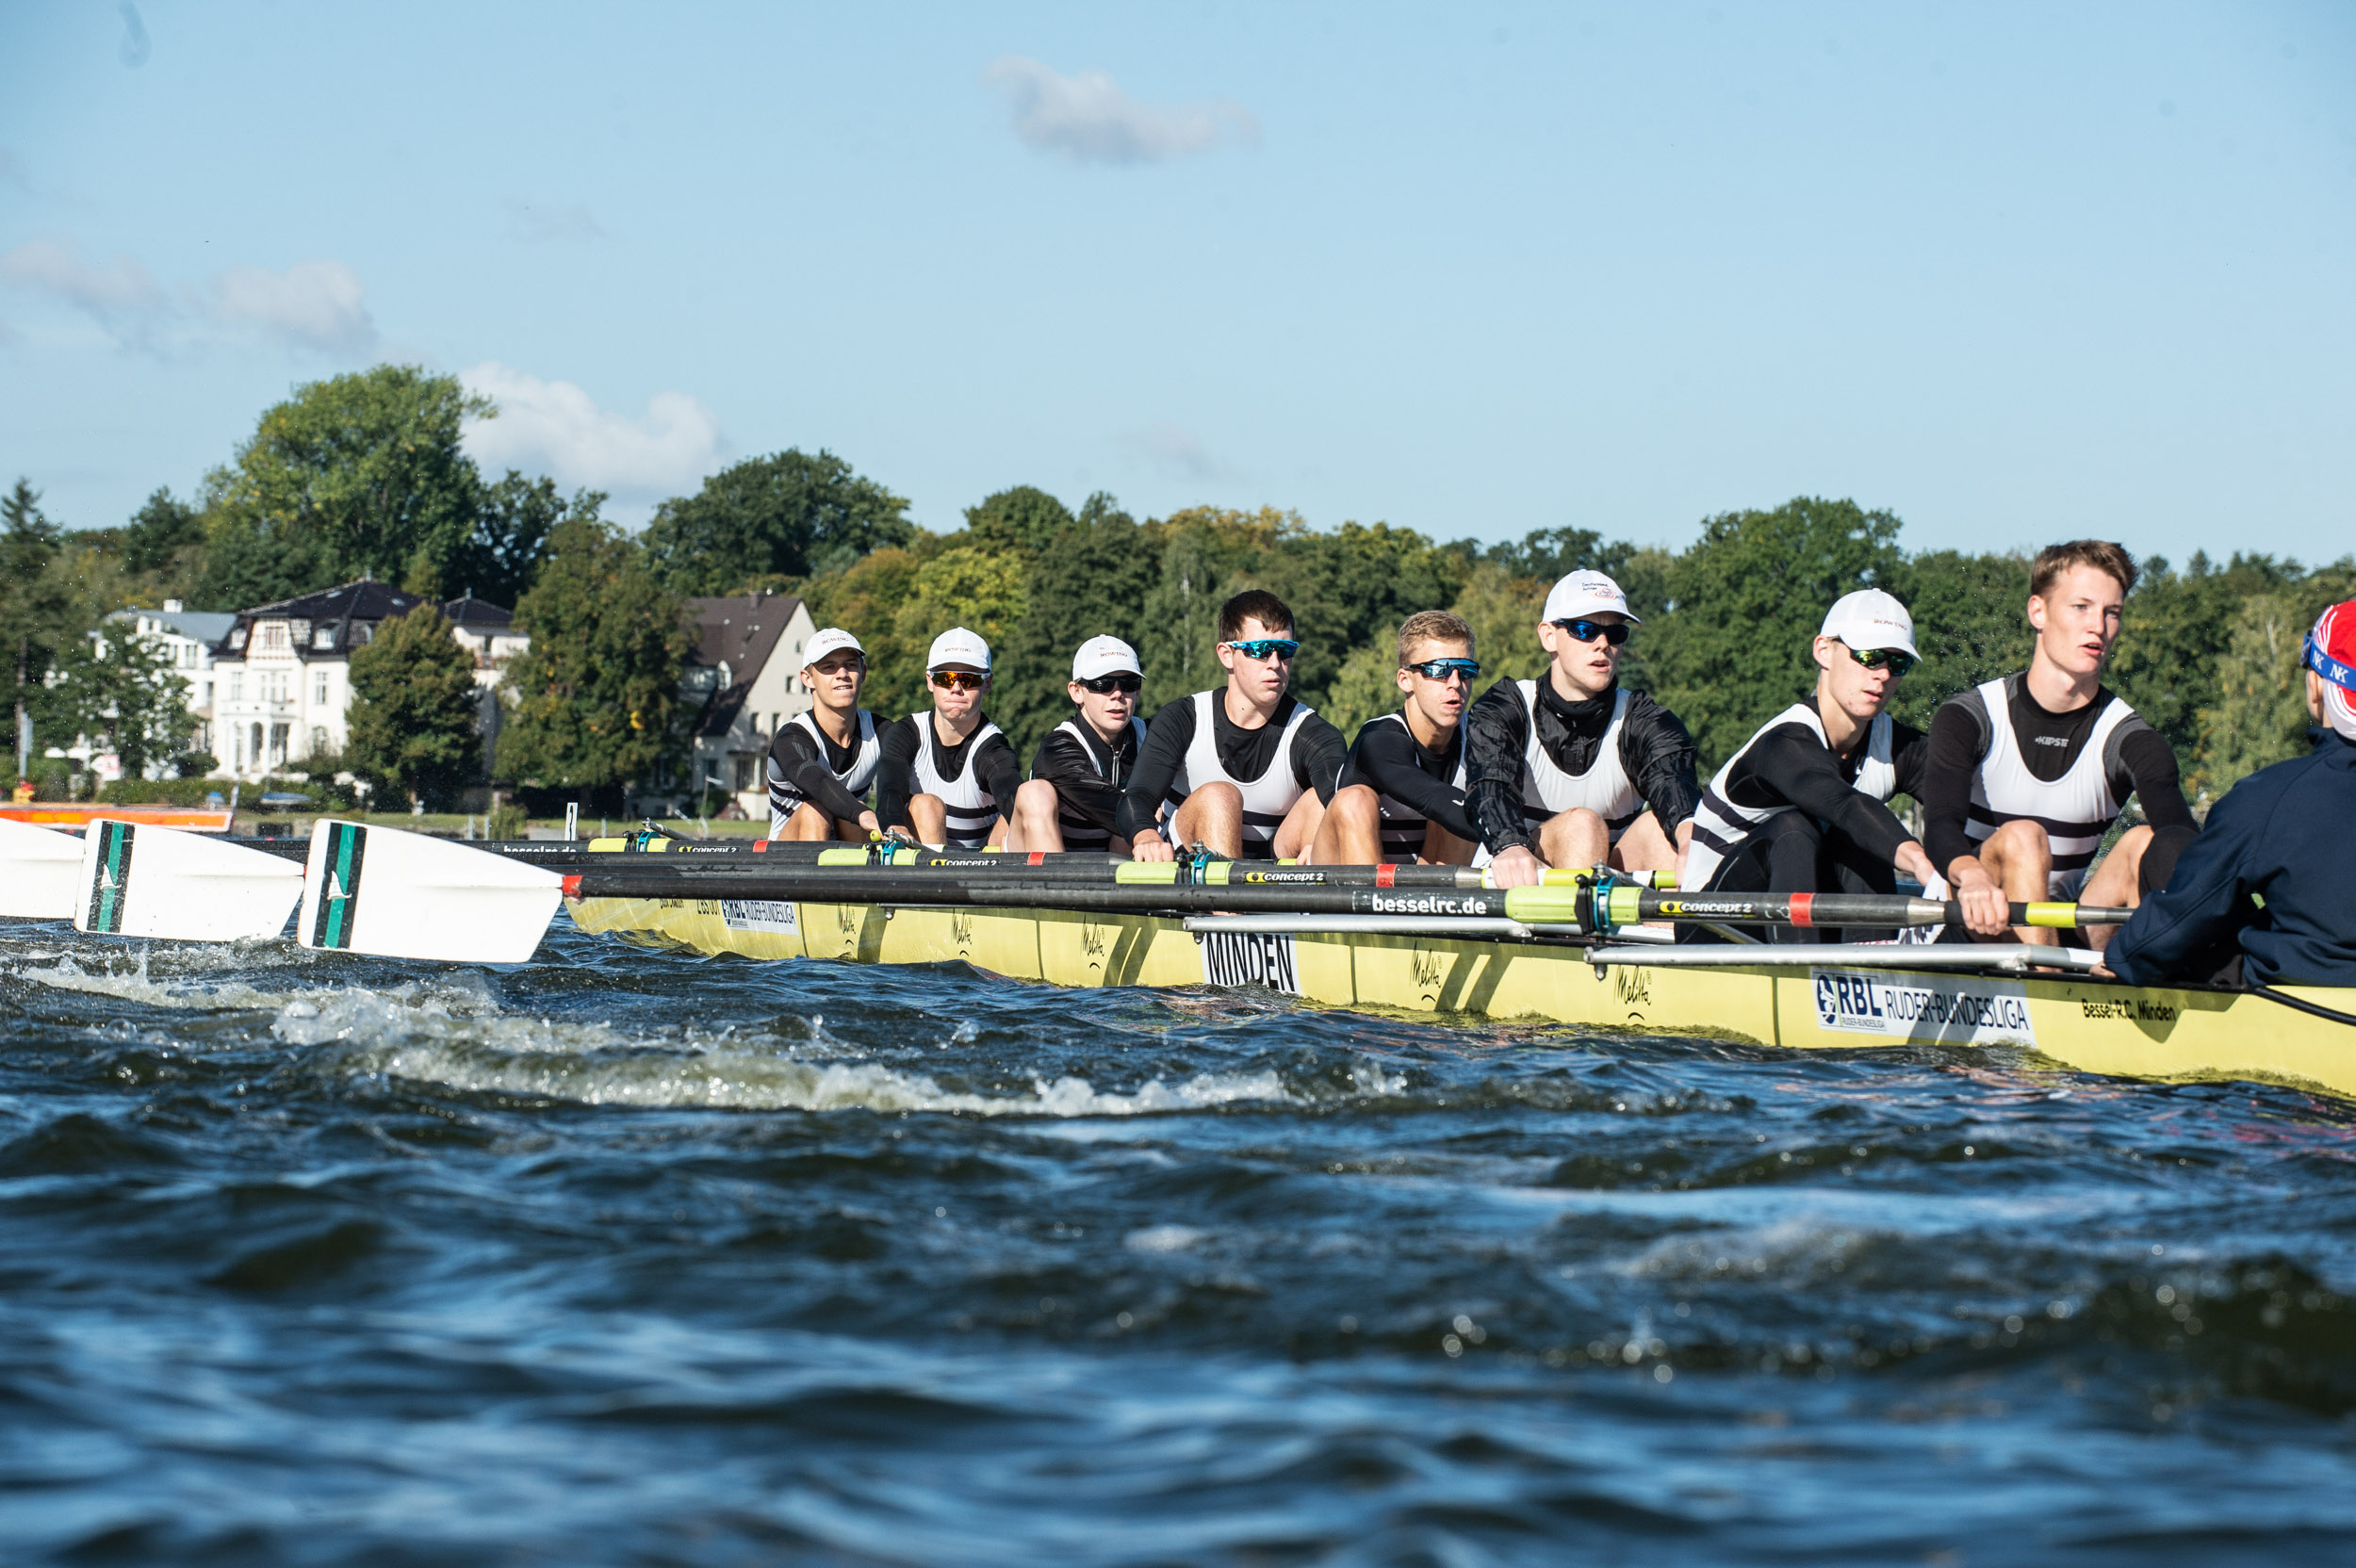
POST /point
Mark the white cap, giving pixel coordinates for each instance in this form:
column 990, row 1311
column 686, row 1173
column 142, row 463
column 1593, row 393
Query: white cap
column 1581, row 593
column 1101, row 656
column 959, row 646
column 833, row 640
column 1870, row 618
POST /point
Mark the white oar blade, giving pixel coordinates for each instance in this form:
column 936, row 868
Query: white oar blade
column 40, row 870
column 403, row 895
column 138, row 879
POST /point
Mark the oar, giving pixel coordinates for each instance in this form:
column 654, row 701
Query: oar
column 1633, row 906
column 139, row 879
column 405, row 896
column 39, row 870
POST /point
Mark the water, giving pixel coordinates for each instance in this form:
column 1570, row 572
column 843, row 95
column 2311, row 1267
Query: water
column 653, row 1259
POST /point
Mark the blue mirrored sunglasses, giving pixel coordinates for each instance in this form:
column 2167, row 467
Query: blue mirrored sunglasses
column 1440, row 669
column 1268, row 647
column 1613, row 632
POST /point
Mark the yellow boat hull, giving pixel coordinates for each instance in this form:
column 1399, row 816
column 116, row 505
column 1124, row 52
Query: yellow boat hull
column 2096, row 1026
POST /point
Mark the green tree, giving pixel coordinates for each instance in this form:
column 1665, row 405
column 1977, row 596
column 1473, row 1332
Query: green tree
column 510, row 538
column 34, row 604
column 164, row 536
column 1091, row 579
column 787, row 515
column 357, row 475
column 1502, row 610
column 1350, row 588
column 120, row 695
column 415, row 711
column 2258, row 713
column 596, row 698
column 2178, row 629
column 1024, row 518
column 1971, row 622
column 1746, row 600
column 965, row 585
column 1207, row 555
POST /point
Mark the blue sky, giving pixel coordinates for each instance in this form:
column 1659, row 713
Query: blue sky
column 2015, row 273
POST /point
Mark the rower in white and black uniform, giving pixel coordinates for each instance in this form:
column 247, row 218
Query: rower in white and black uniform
column 1401, row 797
column 822, row 763
column 2027, row 774
column 1563, row 768
column 948, row 777
column 1245, row 770
column 1073, row 793
column 1803, row 806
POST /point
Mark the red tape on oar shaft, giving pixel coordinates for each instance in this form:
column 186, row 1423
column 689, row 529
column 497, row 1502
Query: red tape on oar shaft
column 1801, row 904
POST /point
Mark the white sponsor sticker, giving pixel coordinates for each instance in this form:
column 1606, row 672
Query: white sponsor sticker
column 759, row 914
column 1957, row 1011
column 1249, row 958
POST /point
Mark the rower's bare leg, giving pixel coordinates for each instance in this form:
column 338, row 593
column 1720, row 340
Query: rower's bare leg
column 1034, row 824
column 806, row 825
column 2117, row 883
column 2019, row 858
column 1440, row 846
column 1351, row 833
column 1644, row 847
column 1297, row 832
column 1576, row 839
column 849, row 832
column 1212, row 816
column 928, row 818
column 998, row 831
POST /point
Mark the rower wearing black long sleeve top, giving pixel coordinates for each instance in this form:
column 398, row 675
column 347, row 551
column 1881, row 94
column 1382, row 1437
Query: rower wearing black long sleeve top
column 1401, row 797
column 1562, row 768
column 948, row 776
column 2028, row 773
column 1244, row 769
column 1802, row 806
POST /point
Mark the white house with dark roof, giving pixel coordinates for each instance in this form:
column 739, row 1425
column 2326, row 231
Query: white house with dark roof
column 282, row 675
column 741, row 683
column 186, row 639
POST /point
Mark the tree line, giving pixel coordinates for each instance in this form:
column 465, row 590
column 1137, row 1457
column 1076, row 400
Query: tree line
column 365, row 474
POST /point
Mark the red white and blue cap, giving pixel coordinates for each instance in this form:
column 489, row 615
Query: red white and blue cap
column 2332, row 654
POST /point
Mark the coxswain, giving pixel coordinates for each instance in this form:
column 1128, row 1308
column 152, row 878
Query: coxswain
column 1401, row 797
column 2027, row 773
column 1073, row 793
column 1802, row 806
column 2265, row 893
column 1244, row 769
column 1562, row 768
column 821, row 762
column 948, row 777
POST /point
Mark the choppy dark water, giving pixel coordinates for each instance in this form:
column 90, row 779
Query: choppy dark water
column 634, row 1258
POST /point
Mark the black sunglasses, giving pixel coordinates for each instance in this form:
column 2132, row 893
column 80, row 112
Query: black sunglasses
column 1103, row 683
column 1878, row 658
column 1613, row 632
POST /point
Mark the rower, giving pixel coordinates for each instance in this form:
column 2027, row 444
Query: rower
column 1564, row 767
column 1801, row 808
column 2266, row 894
column 821, row 762
column 1245, row 770
column 1074, row 793
column 944, row 774
column 1401, row 797
column 2028, row 773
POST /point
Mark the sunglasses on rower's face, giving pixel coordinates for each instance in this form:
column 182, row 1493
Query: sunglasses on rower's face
column 1268, row 647
column 1883, row 659
column 1103, row 683
column 1587, row 631
column 1466, row 670
column 959, row 680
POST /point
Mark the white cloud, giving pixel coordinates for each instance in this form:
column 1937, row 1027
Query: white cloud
column 1088, row 119
column 123, row 296
column 553, row 427
column 538, row 222
column 312, row 304
column 1176, row 448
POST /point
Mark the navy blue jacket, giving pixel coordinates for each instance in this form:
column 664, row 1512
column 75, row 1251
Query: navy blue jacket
column 2285, row 833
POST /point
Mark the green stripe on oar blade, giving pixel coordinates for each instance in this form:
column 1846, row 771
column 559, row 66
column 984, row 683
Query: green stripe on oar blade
column 339, row 895
column 114, row 872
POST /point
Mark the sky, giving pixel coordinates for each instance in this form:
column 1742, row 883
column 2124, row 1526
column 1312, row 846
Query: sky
column 2014, row 272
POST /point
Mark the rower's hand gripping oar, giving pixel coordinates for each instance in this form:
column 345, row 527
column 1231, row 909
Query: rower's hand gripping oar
column 138, row 879
column 403, row 895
